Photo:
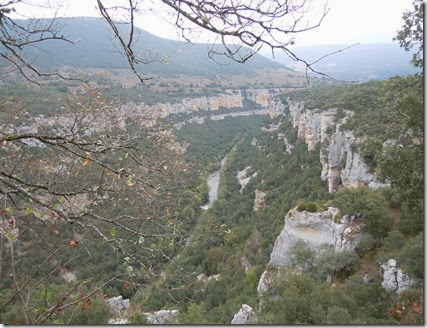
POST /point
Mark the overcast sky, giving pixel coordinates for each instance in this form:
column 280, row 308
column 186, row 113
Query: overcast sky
column 348, row 21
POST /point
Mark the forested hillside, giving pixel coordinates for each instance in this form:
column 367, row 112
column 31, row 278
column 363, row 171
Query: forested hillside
column 170, row 58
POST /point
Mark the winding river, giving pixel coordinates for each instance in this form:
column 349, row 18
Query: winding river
column 213, row 183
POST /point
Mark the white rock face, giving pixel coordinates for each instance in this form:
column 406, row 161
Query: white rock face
column 314, row 229
column 204, row 278
column 243, row 179
column 245, row 316
column 162, row 317
column 260, row 96
column 275, row 107
column 118, row 304
column 394, row 279
column 341, row 165
column 220, row 117
column 311, row 124
column 265, row 281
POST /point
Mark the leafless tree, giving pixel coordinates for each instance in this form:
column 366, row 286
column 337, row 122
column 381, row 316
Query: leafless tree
column 18, row 36
column 240, row 27
column 73, row 182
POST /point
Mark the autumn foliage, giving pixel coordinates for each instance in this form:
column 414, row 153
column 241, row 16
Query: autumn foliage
column 409, row 308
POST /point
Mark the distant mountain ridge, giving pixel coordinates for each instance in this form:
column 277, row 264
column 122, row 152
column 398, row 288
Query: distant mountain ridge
column 362, row 62
column 95, row 47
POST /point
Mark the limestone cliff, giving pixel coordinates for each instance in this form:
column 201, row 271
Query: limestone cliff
column 311, row 125
column 259, row 96
column 342, row 165
column 314, row 229
column 228, row 99
column 148, row 114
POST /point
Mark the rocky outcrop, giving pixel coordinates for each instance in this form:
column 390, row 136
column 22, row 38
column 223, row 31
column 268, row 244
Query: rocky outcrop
column 243, row 179
column 67, row 274
column 118, row 321
column 259, row 96
column 342, row 165
column 394, row 279
column 245, row 316
column 259, row 199
column 228, row 99
column 289, row 146
column 271, row 127
column 314, row 229
column 266, row 280
column 254, row 143
column 275, row 107
column 118, row 305
column 162, row 317
column 205, row 278
column 312, row 125
column 220, row 117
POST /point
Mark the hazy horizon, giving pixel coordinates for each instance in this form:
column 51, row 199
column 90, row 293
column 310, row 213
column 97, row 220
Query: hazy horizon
column 347, row 22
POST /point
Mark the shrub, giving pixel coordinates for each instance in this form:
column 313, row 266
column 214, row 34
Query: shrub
column 367, row 242
column 252, row 277
column 330, row 130
column 412, row 256
column 343, row 161
column 214, row 258
column 196, row 314
column 337, row 315
column 311, row 207
column 301, row 207
column 371, row 204
column 394, row 241
column 335, row 264
column 302, row 256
